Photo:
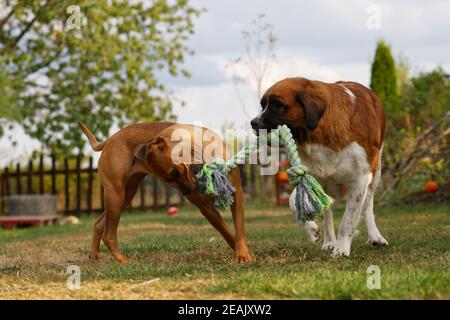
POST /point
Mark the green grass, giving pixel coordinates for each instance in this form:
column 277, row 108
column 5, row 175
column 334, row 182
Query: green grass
column 192, row 261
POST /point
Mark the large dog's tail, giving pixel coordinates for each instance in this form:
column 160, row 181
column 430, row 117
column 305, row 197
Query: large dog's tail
column 96, row 146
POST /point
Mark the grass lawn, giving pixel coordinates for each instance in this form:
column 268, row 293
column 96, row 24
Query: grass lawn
column 192, row 261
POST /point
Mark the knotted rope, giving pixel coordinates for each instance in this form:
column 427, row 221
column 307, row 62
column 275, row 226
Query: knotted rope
column 310, row 199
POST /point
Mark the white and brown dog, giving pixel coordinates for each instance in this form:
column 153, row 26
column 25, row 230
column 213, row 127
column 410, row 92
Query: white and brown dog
column 339, row 128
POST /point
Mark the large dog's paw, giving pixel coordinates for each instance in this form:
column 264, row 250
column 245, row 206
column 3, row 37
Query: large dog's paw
column 377, row 241
column 327, row 245
column 312, row 231
column 341, row 248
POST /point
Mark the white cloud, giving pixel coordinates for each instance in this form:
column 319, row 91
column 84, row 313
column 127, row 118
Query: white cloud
column 288, row 64
column 211, row 105
column 215, row 104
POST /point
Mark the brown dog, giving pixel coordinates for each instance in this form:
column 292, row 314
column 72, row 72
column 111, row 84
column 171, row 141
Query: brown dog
column 147, row 148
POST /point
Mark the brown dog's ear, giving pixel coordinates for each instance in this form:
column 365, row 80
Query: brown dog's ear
column 140, row 152
column 158, row 142
column 313, row 105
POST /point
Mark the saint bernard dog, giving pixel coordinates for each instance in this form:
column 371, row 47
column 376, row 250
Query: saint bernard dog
column 339, row 129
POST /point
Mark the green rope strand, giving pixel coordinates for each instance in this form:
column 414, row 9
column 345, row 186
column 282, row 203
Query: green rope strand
column 311, row 200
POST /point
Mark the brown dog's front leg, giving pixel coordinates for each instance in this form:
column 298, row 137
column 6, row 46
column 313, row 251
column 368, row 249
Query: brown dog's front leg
column 243, row 253
column 207, row 209
column 217, row 222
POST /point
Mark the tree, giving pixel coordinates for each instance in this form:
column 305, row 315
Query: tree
column 417, row 142
column 9, row 96
column 383, row 79
column 253, row 68
column 427, row 96
column 97, row 62
column 402, row 72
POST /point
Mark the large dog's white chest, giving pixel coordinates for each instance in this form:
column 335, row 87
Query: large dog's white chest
column 337, row 166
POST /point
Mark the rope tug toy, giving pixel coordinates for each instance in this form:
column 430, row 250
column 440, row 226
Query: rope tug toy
column 310, row 199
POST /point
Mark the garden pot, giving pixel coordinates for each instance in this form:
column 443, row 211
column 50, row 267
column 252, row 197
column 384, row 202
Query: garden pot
column 31, row 204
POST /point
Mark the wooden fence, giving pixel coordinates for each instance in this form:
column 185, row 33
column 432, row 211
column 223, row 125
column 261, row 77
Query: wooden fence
column 75, row 181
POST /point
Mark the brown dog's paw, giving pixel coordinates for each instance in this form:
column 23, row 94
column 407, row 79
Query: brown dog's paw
column 122, row 259
column 244, row 257
column 94, row 256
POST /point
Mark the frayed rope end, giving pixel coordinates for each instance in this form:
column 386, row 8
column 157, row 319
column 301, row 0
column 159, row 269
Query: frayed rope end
column 310, row 199
column 213, row 182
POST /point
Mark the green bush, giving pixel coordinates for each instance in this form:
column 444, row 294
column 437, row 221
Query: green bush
column 383, row 79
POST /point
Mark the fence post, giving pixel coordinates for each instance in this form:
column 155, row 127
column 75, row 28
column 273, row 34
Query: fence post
column 252, row 181
column 182, row 199
column 155, row 193
column 53, row 173
column 90, row 182
column 6, row 175
column 167, row 195
column 2, row 192
column 243, row 174
column 5, row 187
column 142, row 194
column 78, row 172
column 18, row 180
column 66, row 184
column 277, row 190
column 30, row 176
column 41, row 174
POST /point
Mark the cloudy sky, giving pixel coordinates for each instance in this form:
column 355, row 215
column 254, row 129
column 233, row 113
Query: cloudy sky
column 326, row 40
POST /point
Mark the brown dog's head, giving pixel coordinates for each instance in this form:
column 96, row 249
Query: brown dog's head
column 157, row 157
column 297, row 102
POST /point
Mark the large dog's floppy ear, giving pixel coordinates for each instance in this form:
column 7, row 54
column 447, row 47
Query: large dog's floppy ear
column 140, row 152
column 313, row 105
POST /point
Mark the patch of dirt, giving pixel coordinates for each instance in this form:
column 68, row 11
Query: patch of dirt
column 160, row 289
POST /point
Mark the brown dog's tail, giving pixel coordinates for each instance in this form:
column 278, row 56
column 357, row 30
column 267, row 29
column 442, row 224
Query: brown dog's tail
column 96, row 146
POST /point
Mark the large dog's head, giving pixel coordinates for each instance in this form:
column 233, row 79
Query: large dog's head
column 297, row 102
column 156, row 157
